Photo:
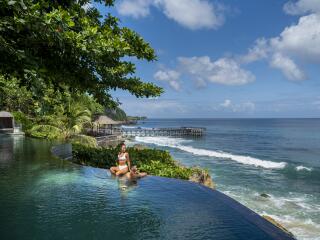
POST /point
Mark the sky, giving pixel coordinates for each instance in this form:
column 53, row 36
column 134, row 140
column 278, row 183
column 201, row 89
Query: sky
column 226, row 58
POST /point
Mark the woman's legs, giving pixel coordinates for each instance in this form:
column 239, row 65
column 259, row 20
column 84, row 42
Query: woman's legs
column 117, row 171
column 122, row 171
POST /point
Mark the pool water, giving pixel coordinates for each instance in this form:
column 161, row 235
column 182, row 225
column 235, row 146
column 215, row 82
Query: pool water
column 43, row 197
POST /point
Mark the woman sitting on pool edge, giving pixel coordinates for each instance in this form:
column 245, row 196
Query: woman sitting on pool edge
column 123, row 162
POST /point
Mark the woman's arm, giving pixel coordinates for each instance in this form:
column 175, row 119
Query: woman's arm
column 128, row 161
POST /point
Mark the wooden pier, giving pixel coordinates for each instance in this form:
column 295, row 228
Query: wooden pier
column 183, row 131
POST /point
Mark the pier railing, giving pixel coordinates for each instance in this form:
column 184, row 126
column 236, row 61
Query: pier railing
column 182, row 131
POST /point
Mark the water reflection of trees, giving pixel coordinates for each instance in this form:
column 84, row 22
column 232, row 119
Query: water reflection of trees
column 6, row 149
column 86, row 207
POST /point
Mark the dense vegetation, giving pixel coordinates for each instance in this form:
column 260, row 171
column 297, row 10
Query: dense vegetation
column 58, row 115
column 68, row 44
column 59, row 60
column 136, row 118
column 116, row 114
column 153, row 161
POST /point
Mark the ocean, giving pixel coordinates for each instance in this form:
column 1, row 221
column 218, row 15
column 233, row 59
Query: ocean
column 278, row 158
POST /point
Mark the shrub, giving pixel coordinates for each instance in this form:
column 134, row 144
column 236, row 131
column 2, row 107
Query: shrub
column 153, row 161
column 84, row 140
column 23, row 119
column 45, row 131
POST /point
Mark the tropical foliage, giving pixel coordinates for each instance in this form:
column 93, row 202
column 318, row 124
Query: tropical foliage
column 84, row 140
column 68, row 120
column 153, row 161
column 60, row 60
column 58, row 115
column 116, row 114
column 61, row 45
column 14, row 97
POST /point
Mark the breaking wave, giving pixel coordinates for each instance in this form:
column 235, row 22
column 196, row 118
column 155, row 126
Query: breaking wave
column 178, row 144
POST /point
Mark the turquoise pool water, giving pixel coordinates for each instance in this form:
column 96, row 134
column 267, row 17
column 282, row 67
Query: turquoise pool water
column 43, row 197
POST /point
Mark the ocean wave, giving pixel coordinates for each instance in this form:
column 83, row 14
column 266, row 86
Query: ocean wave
column 177, row 143
column 125, row 126
column 135, row 127
column 163, row 141
column 303, row 168
column 304, row 229
column 286, row 210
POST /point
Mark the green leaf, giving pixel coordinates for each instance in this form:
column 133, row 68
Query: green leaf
column 74, row 49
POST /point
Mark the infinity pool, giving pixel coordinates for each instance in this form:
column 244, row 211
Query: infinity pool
column 42, row 197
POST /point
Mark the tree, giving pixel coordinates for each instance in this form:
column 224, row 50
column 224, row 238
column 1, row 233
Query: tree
column 67, row 122
column 14, row 98
column 116, row 114
column 62, row 44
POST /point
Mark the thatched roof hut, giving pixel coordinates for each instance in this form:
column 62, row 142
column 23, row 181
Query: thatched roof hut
column 103, row 125
column 105, row 120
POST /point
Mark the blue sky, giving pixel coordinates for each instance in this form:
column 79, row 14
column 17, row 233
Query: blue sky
column 235, row 58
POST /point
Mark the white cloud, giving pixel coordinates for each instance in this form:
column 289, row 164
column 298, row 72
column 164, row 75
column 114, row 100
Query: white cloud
column 301, row 40
column 169, row 76
column 226, row 103
column 193, row 14
column 297, row 43
column 153, row 107
column 257, row 52
column 223, row 71
column 134, row 8
column 302, row 7
column 287, row 66
column 237, row 107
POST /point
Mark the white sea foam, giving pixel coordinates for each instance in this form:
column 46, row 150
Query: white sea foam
column 125, row 126
column 294, row 211
column 177, row 143
column 163, row 141
column 303, row 168
column 135, row 127
column 303, row 229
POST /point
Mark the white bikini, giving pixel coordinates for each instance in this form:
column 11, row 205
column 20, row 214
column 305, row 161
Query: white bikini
column 122, row 158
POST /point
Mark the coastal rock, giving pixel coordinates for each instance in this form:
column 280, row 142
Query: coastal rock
column 277, row 224
column 264, row 195
column 203, row 178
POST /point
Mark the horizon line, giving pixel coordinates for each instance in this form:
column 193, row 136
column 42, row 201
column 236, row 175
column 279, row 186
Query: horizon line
column 232, row 118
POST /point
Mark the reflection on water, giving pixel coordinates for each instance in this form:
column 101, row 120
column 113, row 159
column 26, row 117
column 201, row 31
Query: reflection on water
column 43, row 197
column 126, row 185
column 8, row 147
